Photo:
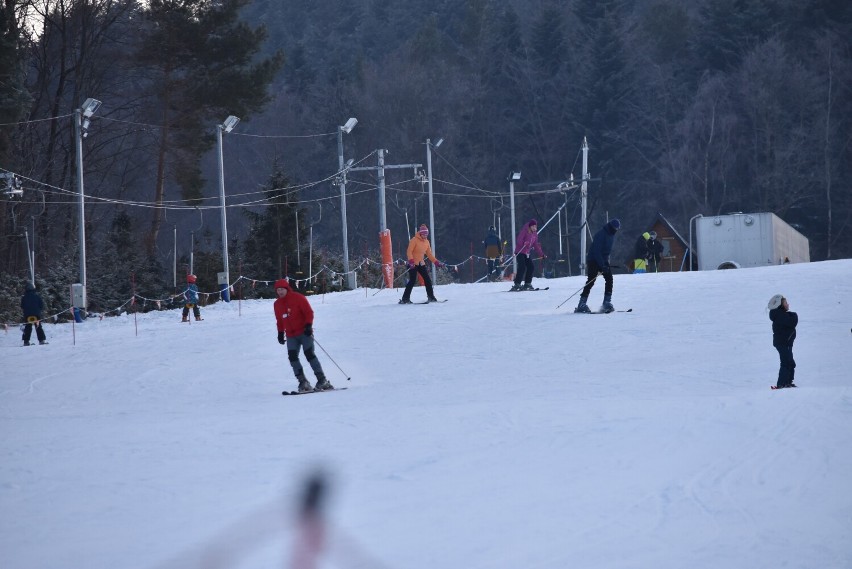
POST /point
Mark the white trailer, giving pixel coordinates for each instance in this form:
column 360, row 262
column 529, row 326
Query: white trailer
column 748, row 240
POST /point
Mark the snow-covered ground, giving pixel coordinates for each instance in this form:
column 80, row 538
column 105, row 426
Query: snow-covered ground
column 491, row 431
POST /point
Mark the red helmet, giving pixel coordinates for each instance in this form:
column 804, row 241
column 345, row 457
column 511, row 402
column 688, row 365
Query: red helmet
column 190, row 278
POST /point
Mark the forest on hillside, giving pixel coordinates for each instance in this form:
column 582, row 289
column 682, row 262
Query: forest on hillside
column 689, row 108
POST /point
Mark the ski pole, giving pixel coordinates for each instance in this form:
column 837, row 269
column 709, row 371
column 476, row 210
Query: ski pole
column 575, row 294
column 332, row 359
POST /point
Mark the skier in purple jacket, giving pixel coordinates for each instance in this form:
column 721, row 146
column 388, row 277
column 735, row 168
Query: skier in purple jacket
column 527, row 241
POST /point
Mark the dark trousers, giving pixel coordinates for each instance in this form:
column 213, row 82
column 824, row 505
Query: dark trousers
column 195, row 311
column 525, row 269
column 306, row 343
column 491, row 265
column 592, row 271
column 788, row 366
column 412, row 278
column 28, row 332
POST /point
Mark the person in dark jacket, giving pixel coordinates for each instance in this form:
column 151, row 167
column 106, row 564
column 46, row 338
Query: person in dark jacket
column 493, row 250
column 655, row 250
column 294, row 319
column 783, row 334
column 597, row 262
column 32, row 305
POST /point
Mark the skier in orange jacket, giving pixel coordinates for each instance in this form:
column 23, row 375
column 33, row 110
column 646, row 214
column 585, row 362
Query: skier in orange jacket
column 418, row 248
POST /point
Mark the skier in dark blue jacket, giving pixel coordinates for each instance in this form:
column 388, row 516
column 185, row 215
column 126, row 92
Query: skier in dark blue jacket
column 597, row 262
column 783, row 335
column 32, row 305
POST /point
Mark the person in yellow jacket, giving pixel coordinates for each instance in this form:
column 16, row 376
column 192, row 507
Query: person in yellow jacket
column 418, row 248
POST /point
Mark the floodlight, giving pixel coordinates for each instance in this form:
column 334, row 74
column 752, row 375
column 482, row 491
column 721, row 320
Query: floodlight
column 349, row 163
column 438, row 142
column 90, row 106
column 350, row 124
column 230, row 123
column 515, row 176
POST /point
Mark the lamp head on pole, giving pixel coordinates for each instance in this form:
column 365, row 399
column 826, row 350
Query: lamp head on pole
column 350, row 124
column 90, row 107
column 438, row 142
column 514, row 176
column 230, row 123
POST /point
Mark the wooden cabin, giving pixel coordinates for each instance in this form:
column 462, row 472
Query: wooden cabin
column 675, row 247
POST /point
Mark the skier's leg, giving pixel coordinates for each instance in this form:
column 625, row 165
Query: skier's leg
column 310, row 355
column 412, row 276
column 293, row 345
column 28, row 332
column 592, row 271
column 40, row 333
column 785, row 370
column 519, row 276
column 313, row 360
column 607, row 275
column 528, row 272
column 427, row 281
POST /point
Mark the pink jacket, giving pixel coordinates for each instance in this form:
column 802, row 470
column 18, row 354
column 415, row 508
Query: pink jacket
column 528, row 240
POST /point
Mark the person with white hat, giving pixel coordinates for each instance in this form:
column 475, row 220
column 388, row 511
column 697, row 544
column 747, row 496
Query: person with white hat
column 783, row 334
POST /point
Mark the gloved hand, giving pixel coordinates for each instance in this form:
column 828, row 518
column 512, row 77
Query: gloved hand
column 309, row 330
column 411, row 263
column 281, row 339
column 439, row 264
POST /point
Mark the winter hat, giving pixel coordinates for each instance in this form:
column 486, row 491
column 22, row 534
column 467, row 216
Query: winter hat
column 424, row 231
column 615, row 224
column 492, row 228
column 191, row 278
column 646, row 235
column 282, row 283
column 532, row 222
column 653, row 235
column 775, row 301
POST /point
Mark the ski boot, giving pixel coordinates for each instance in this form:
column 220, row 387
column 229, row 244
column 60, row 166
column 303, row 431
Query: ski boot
column 528, row 287
column 304, row 384
column 405, row 301
column 322, row 383
column 26, row 343
column 432, row 299
column 607, row 306
column 515, row 288
column 42, row 342
column 184, row 319
column 583, row 307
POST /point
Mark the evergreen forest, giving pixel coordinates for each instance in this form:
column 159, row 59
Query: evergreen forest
column 700, row 107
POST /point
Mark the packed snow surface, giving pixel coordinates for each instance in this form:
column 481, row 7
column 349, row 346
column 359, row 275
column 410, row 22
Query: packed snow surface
column 492, row 431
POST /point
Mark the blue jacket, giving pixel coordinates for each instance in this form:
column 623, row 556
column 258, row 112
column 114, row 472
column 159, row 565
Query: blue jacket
column 602, row 246
column 32, row 304
column 191, row 294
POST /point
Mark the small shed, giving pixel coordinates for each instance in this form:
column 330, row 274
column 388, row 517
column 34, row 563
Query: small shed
column 675, row 247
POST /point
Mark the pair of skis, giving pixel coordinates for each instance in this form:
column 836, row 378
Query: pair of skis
column 313, row 391
column 602, row 312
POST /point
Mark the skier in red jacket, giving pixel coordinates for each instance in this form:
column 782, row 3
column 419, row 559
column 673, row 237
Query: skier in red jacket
column 295, row 319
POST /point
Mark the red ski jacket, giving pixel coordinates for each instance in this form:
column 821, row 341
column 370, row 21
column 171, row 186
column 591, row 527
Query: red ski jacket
column 292, row 312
